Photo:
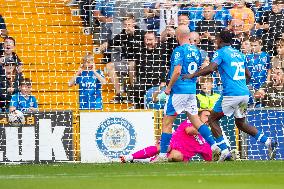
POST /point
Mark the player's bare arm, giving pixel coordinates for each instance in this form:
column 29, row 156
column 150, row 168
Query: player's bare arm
column 205, row 71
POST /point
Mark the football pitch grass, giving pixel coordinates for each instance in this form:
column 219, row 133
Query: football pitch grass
column 229, row 175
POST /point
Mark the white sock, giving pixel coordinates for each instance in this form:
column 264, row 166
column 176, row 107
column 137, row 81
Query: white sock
column 164, row 155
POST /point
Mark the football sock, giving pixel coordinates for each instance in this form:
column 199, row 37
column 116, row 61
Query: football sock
column 260, row 137
column 221, row 143
column 147, row 152
column 165, row 142
column 206, row 134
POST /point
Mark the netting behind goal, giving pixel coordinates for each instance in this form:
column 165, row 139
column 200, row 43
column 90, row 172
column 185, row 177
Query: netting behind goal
column 55, row 42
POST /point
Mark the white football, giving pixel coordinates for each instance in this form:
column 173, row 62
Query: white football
column 16, row 118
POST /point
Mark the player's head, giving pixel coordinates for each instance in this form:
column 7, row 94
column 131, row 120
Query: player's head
column 150, row 40
column 88, row 61
column 194, row 38
column 280, row 46
column 245, row 47
column 204, row 115
column 224, row 38
column 278, row 76
column 208, row 12
column 26, row 86
column 9, row 45
column 183, row 19
column 256, row 44
column 182, row 34
column 129, row 24
column 206, row 84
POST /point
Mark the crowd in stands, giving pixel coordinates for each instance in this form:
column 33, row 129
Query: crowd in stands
column 15, row 90
column 258, row 27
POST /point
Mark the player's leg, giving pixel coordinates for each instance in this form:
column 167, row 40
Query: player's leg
column 173, row 107
column 145, row 153
column 192, row 114
column 166, row 134
column 240, row 121
column 175, row 156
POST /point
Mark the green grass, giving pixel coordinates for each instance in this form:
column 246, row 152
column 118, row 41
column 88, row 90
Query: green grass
column 195, row 175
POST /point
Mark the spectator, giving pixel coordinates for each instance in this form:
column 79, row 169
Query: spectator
column 258, row 7
column 90, row 82
column 8, row 53
column 237, row 29
column 241, row 12
column 272, row 94
column 195, row 15
column 206, row 98
column 258, row 63
column 23, row 100
column 3, row 29
column 207, row 29
column 272, row 24
column 278, row 61
column 168, row 14
column 152, row 16
column 156, row 97
column 245, row 45
column 104, row 11
column 131, row 41
column 222, row 14
column 86, row 6
column 151, row 68
column 9, row 83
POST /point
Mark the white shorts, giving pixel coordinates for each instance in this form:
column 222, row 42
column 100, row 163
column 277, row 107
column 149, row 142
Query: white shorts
column 177, row 103
column 230, row 105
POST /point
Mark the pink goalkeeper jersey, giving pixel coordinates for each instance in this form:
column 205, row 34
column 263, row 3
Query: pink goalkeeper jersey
column 188, row 142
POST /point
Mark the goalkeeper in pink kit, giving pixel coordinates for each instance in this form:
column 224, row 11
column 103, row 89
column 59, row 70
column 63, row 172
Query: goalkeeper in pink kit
column 185, row 143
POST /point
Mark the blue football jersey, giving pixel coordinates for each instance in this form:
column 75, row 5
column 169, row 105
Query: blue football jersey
column 23, row 103
column 189, row 57
column 258, row 65
column 231, row 66
column 90, row 95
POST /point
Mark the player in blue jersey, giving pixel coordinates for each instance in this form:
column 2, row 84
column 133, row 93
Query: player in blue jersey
column 232, row 67
column 23, row 100
column 90, row 83
column 185, row 59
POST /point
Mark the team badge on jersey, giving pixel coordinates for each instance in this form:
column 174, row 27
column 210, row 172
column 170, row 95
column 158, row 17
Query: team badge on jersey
column 115, row 136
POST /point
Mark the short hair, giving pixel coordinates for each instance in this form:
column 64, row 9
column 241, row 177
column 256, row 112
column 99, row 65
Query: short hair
column 200, row 111
column 226, row 36
column 255, row 39
column 205, row 79
column 128, row 16
column 88, row 56
column 10, row 38
column 275, row 2
column 26, row 81
column 280, row 43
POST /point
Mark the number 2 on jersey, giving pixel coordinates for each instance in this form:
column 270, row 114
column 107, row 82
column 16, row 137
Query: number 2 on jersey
column 240, row 71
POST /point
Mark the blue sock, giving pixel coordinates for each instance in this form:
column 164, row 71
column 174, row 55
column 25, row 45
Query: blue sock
column 206, row 134
column 260, row 137
column 165, row 142
column 221, row 143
